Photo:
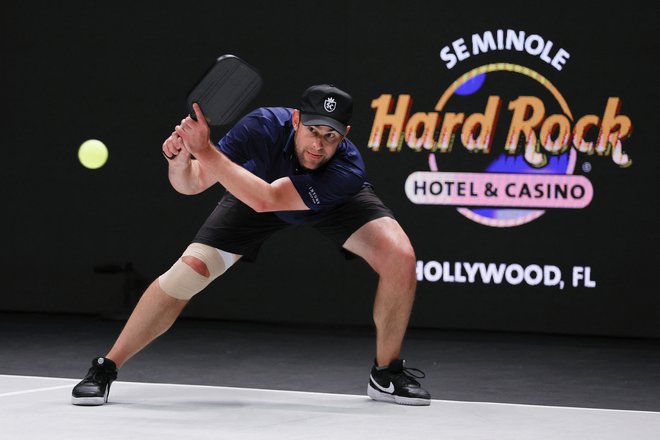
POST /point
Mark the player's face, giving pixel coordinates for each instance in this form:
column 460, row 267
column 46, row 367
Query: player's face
column 315, row 145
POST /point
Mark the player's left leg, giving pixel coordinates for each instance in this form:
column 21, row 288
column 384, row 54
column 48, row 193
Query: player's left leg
column 385, row 246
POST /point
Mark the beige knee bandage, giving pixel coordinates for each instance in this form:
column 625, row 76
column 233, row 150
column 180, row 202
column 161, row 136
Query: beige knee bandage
column 183, row 282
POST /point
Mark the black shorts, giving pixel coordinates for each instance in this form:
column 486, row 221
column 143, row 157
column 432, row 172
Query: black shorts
column 235, row 227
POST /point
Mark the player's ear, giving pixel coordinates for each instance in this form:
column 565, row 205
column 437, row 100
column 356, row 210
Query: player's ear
column 295, row 118
column 348, row 128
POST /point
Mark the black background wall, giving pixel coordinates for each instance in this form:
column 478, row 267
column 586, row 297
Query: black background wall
column 120, row 71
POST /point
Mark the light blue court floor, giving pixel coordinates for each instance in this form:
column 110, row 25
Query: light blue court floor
column 38, row 408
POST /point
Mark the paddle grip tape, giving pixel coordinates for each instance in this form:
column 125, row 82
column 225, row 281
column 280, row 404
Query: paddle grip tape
column 183, row 282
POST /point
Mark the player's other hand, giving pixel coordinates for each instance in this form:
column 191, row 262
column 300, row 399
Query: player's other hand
column 174, row 150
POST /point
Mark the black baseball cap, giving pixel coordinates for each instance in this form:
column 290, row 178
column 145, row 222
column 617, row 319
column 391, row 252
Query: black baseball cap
column 325, row 104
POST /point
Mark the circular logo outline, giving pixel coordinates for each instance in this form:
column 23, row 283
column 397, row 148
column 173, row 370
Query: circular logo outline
column 515, row 68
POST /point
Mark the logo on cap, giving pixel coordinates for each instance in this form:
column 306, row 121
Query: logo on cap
column 329, row 104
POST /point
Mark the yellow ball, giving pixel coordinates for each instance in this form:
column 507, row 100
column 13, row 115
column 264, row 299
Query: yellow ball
column 93, row 154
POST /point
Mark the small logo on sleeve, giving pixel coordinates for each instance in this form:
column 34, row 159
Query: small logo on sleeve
column 313, row 196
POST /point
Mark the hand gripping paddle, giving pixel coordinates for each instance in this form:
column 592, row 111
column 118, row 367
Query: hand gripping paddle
column 225, row 90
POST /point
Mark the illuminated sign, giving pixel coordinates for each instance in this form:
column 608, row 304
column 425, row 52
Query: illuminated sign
column 501, row 143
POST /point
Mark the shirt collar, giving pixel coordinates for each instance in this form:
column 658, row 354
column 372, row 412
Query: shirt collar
column 288, row 146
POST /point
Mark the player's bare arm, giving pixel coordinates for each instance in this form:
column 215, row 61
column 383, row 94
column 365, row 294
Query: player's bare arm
column 280, row 195
column 185, row 175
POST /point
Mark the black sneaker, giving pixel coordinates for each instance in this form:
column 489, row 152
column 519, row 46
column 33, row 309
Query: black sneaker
column 95, row 387
column 397, row 384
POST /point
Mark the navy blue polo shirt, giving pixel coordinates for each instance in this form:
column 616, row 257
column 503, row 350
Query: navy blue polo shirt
column 262, row 142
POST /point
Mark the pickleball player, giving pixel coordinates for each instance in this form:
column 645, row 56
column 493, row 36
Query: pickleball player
column 280, row 167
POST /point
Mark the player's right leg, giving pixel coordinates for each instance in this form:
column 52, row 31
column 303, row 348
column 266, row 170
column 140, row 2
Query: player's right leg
column 232, row 226
column 156, row 311
column 153, row 315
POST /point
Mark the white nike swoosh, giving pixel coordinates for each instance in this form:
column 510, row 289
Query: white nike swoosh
column 388, row 390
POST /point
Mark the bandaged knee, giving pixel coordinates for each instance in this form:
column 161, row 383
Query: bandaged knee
column 183, row 282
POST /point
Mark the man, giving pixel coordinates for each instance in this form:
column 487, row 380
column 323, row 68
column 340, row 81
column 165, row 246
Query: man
column 279, row 167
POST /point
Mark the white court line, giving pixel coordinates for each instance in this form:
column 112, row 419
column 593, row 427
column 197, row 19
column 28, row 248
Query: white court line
column 37, row 377
column 312, row 393
column 362, row 397
column 35, row 390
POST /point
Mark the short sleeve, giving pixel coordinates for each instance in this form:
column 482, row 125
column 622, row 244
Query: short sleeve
column 332, row 186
